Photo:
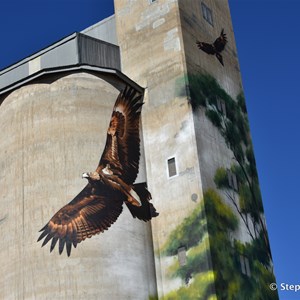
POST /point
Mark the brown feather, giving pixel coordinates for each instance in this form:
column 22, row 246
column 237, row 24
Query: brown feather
column 122, row 149
column 77, row 220
column 100, row 203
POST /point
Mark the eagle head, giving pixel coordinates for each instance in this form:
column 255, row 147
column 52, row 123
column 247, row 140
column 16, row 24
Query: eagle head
column 91, row 176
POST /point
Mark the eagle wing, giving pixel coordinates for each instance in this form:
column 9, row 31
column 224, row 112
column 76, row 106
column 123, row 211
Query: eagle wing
column 207, row 48
column 92, row 211
column 220, row 42
column 122, row 149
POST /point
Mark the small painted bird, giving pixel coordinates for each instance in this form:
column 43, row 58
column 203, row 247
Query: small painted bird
column 216, row 48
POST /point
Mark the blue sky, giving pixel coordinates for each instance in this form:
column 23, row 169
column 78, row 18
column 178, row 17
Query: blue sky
column 267, row 37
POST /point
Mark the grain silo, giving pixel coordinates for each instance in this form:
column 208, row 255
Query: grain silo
column 55, row 110
column 210, row 239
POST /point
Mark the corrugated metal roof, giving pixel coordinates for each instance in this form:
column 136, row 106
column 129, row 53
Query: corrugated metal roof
column 75, row 49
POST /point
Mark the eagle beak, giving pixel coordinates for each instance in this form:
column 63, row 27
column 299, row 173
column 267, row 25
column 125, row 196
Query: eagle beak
column 85, row 175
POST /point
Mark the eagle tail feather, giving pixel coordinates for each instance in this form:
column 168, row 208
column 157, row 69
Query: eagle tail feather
column 220, row 58
column 43, row 234
column 146, row 211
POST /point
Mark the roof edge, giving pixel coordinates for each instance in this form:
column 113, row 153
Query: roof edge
column 83, row 67
column 39, row 53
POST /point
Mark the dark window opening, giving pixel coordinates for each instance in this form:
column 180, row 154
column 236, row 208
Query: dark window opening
column 182, row 256
column 172, row 167
column 221, row 106
column 245, row 267
column 207, row 14
column 232, row 180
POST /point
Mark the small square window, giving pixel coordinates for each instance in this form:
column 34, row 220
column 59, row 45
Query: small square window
column 221, row 106
column 182, row 256
column 245, row 267
column 207, row 13
column 172, row 167
column 232, row 180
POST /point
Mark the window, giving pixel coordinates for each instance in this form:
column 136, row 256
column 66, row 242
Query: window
column 207, row 14
column 245, row 267
column 221, row 106
column 232, row 180
column 172, row 167
column 182, row 256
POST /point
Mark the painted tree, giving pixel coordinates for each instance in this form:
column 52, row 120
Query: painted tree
column 230, row 117
column 206, row 233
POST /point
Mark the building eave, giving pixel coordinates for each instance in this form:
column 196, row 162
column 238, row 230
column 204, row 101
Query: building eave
column 70, row 68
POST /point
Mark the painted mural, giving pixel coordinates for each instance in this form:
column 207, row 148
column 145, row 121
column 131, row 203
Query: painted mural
column 100, row 203
column 238, row 270
column 216, row 47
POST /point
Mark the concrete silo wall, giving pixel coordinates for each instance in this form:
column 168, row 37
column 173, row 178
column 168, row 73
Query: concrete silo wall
column 52, row 133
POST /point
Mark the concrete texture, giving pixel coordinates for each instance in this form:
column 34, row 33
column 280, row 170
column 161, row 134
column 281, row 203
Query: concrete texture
column 158, row 49
column 52, row 132
column 151, row 45
column 55, row 129
column 212, row 149
column 104, row 30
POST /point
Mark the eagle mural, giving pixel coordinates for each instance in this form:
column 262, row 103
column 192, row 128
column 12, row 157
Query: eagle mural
column 216, row 48
column 100, row 203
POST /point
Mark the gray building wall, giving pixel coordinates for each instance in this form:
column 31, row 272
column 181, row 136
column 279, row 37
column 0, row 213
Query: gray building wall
column 104, row 30
column 158, row 48
column 51, row 122
column 151, row 46
column 53, row 131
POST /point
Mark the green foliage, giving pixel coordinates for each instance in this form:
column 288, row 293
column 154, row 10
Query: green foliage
column 232, row 135
column 259, row 252
column 196, row 262
column 226, row 276
column 187, row 234
column 257, row 194
column 214, row 206
column 214, row 117
column 252, row 164
column 242, row 102
column 237, row 170
column 234, row 127
column 230, row 283
column 220, row 222
column 264, row 278
column 199, row 289
column 205, row 233
column 239, row 153
column 242, row 127
column 205, row 90
column 245, row 198
column 221, row 178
